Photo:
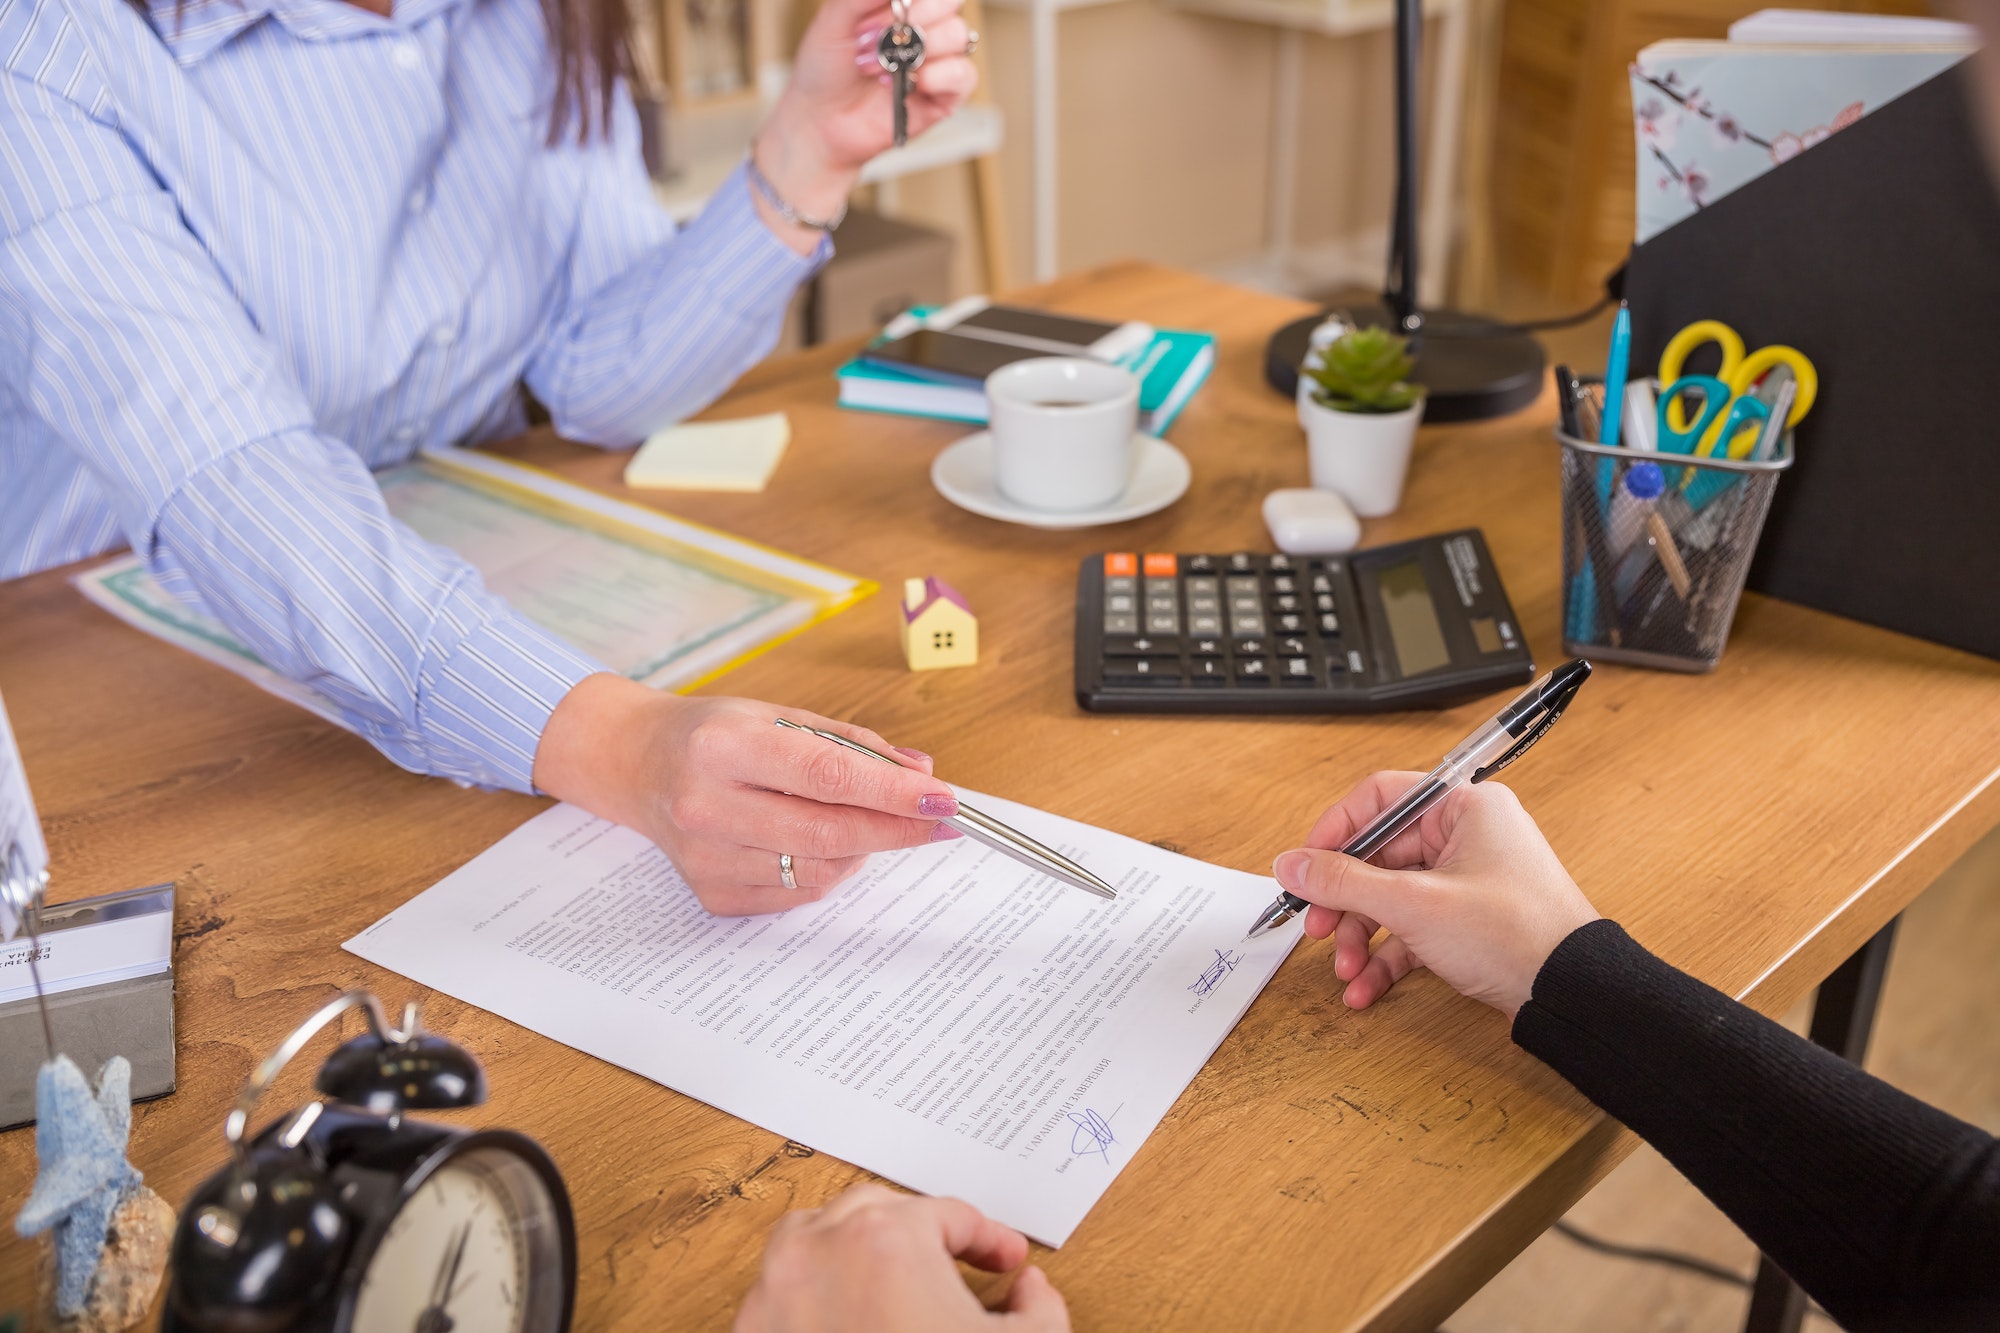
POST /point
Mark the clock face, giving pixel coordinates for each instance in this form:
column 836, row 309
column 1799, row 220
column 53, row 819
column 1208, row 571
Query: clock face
column 474, row 1249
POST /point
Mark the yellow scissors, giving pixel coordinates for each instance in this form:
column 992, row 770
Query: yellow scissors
column 1730, row 407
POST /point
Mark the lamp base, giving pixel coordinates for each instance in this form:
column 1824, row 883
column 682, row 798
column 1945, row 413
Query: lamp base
column 1466, row 378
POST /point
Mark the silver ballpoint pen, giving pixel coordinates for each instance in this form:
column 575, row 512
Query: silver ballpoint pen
column 1505, row 738
column 988, row 830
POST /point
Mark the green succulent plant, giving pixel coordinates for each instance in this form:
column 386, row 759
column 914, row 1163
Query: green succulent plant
column 1365, row 370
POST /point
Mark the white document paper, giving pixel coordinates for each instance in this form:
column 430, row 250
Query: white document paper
column 24, row 856
column 950, row 1019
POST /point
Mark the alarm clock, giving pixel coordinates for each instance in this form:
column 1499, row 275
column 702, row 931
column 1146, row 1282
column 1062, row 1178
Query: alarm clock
column 346, row 1216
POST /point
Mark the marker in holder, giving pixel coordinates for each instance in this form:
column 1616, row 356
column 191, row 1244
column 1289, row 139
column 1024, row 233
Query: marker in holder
column 1654, row 581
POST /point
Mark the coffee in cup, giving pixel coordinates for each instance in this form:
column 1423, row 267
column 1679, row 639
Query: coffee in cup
column 1064, row 432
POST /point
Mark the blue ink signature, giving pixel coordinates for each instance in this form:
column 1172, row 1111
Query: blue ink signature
column 1212, row 975
column 1091, row 1135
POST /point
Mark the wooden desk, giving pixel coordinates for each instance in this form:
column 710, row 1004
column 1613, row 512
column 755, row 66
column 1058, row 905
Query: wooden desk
column 1754, row 826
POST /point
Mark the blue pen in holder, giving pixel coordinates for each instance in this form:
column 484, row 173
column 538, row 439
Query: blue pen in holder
column 1656, row 546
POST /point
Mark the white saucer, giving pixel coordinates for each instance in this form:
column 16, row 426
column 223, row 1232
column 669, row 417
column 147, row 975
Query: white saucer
column 963, row 474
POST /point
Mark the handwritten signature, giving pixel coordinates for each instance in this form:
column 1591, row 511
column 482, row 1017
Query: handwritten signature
column 1212, row 975
column 1091, row 1135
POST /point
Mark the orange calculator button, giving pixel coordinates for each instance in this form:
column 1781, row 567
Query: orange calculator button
column 1159, row 566
column 1120, row 564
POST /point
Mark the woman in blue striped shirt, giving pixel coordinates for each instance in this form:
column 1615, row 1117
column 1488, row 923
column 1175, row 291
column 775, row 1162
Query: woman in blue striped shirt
column 252, row 249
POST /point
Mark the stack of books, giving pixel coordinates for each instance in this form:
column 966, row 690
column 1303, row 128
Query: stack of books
column 1171, row 366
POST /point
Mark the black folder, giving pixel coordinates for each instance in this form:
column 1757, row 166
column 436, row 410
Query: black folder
column 1877, row 254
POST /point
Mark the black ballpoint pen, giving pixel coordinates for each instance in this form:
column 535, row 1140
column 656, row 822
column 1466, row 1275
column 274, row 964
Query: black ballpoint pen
column 1476, row 758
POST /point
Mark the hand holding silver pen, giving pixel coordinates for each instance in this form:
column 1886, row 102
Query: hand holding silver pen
column 985, row 829
column 735, row 802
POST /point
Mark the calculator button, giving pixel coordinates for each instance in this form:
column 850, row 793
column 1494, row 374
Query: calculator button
column 1204, row 623
column 1123, row 601
column 1296, row 670
column 1141, row 647
column 1120, row 564
column 1143, row 671
column 1329, row 624
column 1200, row 564
column 1290, row 624
column 1253, row 670
column 1204, row 606
column 1162, row 622
column 1284, row 583
column 1204, row 587
column 1292, row 647
column 1208, row 671
column 1246, row 625
column 1123, row 622
column 1123, row 584
column 1245, row 606
column 1240, row 561
column 1242, row 585
column 1284, row 602
column 1280, row 562
column 1206, row 647
column 1336, row 666
column 1324, row 602
column 1249, row 647
column 1354, row 663
column 1321, row 583
column 1161, row 566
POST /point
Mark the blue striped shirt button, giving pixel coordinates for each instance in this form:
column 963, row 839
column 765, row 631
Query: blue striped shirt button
column 407, row 55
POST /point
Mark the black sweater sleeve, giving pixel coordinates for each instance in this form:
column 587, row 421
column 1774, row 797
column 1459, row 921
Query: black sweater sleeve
column 1886, row 1211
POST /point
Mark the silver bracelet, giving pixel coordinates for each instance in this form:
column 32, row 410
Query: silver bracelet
column 783, row 209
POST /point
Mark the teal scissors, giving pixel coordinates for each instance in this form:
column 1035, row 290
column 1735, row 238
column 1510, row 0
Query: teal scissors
column 1729, row 399
column 1716, row 399
column 1733, row 412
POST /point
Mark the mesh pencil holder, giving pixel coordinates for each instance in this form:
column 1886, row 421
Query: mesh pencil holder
column 1654, row 561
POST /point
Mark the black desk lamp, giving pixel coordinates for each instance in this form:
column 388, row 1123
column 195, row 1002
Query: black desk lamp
column 1471, row 368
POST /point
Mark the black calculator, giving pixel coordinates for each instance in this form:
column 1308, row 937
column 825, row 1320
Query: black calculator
column 1420, row 624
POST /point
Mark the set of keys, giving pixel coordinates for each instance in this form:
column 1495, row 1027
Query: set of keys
column 900, row 51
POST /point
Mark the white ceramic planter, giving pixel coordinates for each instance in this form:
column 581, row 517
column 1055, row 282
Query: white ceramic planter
column 1362, row 455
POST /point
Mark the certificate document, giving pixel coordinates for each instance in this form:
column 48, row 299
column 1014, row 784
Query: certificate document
column 663, row 601
column 950, row 1019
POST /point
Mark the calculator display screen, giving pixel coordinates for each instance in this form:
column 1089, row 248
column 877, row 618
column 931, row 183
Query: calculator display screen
column 1413, row 618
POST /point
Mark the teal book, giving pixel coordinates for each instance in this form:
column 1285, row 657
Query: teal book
column 1170, row 369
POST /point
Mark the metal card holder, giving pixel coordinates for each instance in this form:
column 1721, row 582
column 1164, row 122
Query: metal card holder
column 106, row 972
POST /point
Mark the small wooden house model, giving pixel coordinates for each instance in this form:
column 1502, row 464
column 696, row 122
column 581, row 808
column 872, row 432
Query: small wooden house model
column 939, row 629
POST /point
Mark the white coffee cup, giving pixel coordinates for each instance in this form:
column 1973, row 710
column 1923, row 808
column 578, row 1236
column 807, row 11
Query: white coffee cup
column 1064, row 432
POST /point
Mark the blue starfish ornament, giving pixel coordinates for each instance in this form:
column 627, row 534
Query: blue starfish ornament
column 80, row 1140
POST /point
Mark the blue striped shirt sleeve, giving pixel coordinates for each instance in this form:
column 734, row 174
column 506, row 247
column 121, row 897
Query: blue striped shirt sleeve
column 657, row 324
column 130, row 344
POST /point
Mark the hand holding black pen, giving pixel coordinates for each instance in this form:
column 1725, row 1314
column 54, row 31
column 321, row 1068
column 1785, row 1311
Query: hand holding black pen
column 1498, row 743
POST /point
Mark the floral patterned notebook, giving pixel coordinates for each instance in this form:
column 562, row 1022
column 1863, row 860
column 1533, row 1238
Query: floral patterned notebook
column 1711, row 116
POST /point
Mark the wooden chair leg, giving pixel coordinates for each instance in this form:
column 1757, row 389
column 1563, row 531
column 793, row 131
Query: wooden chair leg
column 986, row 191
column 992, row 221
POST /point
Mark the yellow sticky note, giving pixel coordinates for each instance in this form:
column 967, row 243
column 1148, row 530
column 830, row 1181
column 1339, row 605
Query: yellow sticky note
column 737, row 455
